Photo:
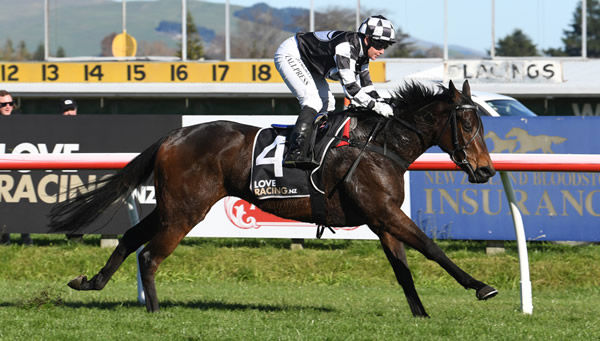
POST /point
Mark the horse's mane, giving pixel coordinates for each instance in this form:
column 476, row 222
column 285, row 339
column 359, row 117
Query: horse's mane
column 415, row 95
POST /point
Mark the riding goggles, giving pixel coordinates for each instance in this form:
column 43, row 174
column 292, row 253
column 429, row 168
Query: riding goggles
column 380, row 44
column 3, row 104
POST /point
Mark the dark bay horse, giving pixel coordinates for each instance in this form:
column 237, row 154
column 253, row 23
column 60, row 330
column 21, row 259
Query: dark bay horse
column 196, row 166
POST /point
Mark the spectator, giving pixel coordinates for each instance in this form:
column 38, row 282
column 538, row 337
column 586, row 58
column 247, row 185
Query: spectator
column 7, row 104
column 7, row 107
column 68, row 107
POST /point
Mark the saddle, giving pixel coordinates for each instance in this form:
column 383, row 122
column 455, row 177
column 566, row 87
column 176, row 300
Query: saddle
column 270, row 179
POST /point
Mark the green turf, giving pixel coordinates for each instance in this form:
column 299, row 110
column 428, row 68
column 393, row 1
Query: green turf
column 259, row 289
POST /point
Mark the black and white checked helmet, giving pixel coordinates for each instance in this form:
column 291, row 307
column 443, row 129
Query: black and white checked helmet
column 378, row 28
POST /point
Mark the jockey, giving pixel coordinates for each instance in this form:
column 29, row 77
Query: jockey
column 306, row 60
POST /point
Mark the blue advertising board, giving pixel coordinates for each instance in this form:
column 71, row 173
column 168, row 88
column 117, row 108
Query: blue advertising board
column 554, row 205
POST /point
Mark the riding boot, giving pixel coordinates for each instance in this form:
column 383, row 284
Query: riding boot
column 300, row 152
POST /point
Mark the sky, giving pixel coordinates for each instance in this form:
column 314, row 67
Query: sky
column 469, row 21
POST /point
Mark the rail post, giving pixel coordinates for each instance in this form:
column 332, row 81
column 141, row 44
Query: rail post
column 134, row 218
column 526, row 295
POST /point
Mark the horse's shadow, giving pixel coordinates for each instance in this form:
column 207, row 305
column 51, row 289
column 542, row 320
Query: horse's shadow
column 193, row 304
column 220, row 305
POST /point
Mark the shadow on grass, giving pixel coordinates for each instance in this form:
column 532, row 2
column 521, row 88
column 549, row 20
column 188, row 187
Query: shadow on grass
column 274, row 243
column 194, row 304
column 219, row 305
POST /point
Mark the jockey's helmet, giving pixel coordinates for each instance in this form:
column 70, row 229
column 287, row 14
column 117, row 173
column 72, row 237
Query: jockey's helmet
column 380, row 31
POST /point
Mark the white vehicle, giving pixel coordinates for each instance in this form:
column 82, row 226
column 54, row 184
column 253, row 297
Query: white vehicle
column 491, row 104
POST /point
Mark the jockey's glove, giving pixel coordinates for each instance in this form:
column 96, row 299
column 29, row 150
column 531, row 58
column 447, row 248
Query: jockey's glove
column 383, row 109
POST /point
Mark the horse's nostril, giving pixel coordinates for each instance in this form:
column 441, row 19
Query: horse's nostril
column 486, row 171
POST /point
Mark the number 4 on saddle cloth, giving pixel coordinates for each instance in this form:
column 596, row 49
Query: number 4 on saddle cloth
column 270, row 179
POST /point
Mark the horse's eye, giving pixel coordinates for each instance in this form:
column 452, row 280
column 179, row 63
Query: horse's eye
column 467, row 125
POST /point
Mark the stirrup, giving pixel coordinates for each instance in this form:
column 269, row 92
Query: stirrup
column 321, row 119
column 321, row 229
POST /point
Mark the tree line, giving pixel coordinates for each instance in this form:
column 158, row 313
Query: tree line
column 8, row 51
column 518, row 44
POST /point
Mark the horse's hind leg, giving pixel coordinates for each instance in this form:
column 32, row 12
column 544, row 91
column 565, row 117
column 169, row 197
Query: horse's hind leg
column 177, row 220
column 159, row 248
column 131, row 241
column 394, row 250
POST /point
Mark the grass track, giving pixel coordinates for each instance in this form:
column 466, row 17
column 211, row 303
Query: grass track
column 234, row 289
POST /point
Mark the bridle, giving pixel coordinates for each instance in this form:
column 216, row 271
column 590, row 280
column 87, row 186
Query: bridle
column 459, row 154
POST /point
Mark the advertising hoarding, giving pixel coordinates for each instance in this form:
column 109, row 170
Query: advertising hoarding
column 554, row 205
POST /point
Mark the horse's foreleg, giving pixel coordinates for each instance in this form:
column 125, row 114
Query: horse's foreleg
column 131, row 241
column 407, row 231
column 394, row 250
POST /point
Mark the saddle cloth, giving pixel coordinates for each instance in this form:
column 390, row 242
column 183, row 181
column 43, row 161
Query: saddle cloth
column 270, row 179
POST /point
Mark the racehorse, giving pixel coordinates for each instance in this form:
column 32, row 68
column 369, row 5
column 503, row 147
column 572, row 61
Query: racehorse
column 196, row 166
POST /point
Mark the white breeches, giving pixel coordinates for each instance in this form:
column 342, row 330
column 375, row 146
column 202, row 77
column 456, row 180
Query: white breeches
column 310, row 89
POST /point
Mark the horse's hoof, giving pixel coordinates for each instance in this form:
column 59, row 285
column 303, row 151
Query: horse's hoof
column 76, row 282
column 486, row 292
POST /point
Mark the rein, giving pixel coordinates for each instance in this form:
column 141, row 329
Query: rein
column 382, row 150
column 377, row 149
column 372, row 134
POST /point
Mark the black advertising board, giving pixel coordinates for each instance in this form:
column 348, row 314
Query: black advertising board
column 26, row 197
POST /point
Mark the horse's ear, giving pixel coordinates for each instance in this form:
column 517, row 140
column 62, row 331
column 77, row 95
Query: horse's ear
column 451, row 86
column 454, row 94
column 466, row 89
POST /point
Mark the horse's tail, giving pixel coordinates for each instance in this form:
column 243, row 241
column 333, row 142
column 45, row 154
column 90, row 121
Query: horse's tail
column 83, row 209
